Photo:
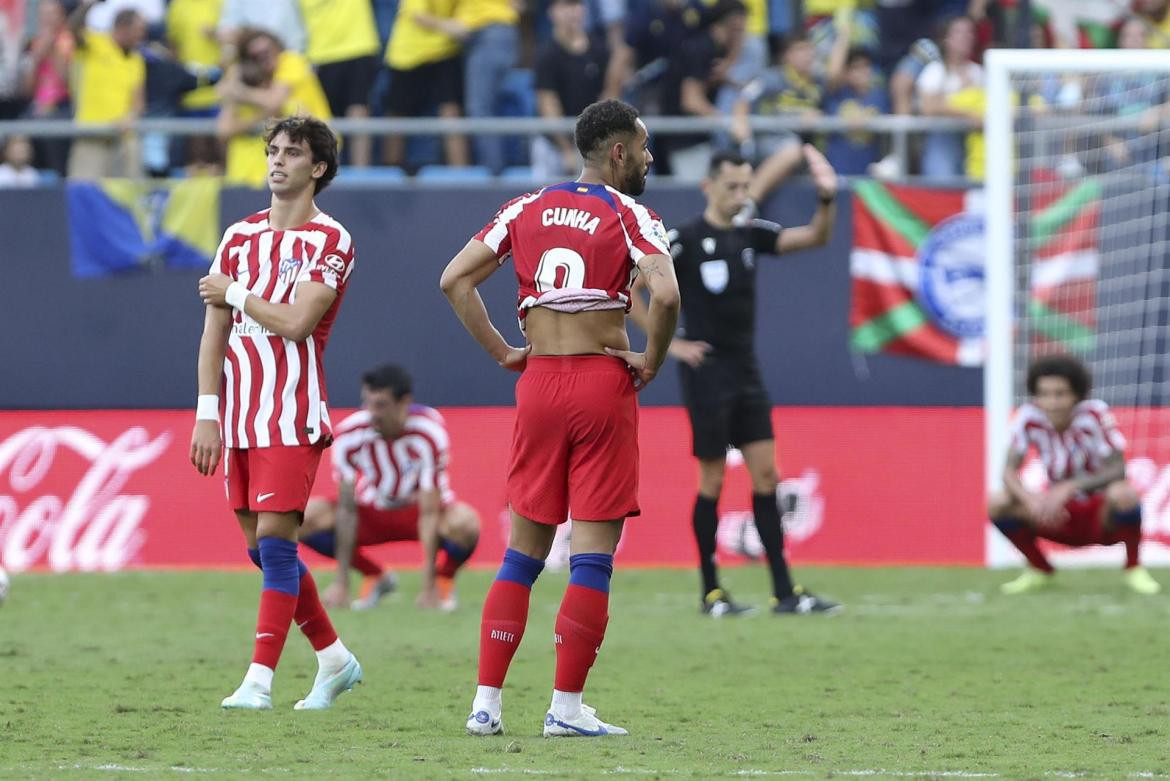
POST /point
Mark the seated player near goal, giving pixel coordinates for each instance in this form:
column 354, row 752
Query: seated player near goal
column 390, row 462
column 1088, row 501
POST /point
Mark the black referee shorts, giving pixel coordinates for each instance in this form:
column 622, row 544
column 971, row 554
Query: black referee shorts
column 727, row 404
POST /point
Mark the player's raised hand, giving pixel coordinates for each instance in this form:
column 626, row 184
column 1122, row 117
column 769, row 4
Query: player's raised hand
column 212, row 289
column 689, row 352
column 516, row 358
column 821, row 172
column 206, row 446
column 642, row 370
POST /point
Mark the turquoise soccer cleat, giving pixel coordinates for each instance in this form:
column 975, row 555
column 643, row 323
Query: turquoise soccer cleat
column 328, row 686
column 248, row 697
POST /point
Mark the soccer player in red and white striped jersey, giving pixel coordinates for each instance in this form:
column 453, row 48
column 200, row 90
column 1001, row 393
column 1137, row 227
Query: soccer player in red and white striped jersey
column 390, row 462
column 576, row 248
column 271, row 298
column 1088, row 501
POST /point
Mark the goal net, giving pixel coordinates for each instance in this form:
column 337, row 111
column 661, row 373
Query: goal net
column 1078, row 232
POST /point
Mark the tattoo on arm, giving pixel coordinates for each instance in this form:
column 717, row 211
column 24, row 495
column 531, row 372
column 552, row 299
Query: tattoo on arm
column 650, row 266
column 1112, row 470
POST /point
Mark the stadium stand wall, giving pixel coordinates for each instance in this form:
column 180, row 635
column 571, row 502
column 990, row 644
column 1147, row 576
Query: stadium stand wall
column 130, row 341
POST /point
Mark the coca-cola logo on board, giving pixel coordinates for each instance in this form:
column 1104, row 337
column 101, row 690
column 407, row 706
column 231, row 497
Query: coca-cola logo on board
column 87, row 525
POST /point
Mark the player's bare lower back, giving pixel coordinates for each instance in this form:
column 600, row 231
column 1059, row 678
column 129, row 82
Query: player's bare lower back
column 578, row 333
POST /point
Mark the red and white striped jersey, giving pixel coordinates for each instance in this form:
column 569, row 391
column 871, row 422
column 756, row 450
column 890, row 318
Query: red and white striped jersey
column 273, row 391
column 575, row 246
column 390, row 473
column 1080, row 449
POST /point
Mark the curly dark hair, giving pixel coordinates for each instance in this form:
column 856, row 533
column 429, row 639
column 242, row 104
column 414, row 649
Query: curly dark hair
column 1061, row 365
column 321, row 140
column 600, row 122
column 388, row 377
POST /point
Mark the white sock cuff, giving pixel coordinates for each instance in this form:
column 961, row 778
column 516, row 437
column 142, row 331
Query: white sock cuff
column 565, row 703
column 333, row 655
column 487, row 698
column 260, row 675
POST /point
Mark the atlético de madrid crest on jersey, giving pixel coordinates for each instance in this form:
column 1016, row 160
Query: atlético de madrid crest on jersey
column 289, row 268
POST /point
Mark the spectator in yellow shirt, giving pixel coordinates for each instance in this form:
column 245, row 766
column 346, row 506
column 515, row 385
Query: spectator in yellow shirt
column 268, row 81
column 344, row 48
column 191, row 31
column 425, row 72
column 491, row 40
column 1156, row 15
column 109, row 90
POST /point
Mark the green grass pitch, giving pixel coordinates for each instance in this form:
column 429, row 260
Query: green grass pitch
column 928, row 674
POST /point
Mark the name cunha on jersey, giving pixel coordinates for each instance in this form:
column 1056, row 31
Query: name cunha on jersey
column 570, row 218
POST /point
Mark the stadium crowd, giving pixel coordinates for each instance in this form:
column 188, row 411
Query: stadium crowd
column 242, row 61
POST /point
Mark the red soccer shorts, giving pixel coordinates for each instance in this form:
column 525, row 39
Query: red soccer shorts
column 575, row 445
column 378, row 526
column 271, row 479
column 1085, row 524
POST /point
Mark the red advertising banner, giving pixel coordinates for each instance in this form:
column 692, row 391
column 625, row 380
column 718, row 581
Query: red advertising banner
column 107, row 490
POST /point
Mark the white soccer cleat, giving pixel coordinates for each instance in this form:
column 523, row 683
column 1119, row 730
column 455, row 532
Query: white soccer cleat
column 327, row 687
column 483, row 723
column 250, row 696
column 584, row 724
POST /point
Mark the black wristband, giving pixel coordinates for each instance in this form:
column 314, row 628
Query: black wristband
column 826, row 200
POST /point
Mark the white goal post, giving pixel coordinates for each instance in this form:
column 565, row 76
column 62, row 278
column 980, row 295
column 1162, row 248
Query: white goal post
column 1015, row 128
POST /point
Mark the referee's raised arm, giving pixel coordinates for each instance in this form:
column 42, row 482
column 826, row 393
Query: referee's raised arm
column 817, row 232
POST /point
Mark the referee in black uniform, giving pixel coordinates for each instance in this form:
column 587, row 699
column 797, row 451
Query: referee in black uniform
column 715, row 260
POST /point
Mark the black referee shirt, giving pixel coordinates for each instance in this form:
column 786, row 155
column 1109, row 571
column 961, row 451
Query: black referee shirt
column 716, row 269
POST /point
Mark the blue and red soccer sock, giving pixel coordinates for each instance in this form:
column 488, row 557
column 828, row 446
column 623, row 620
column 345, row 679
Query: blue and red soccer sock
column 278, row 598
column 310, row 614
column 451, row 557
column 1023, row 536
column 1126, row 528
column 325, row 543
column 581, row 621
column 505, row 615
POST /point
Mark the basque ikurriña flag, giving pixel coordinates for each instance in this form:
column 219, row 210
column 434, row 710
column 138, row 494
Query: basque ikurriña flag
column 917, row 269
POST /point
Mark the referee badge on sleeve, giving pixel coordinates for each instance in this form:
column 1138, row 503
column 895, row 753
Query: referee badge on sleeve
column 714, row 274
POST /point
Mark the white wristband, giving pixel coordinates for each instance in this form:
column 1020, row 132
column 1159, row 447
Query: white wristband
column 235, row 295
column 207, row 407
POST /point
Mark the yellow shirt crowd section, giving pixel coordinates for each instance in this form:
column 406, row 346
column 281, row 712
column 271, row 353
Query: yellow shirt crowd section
column 191, row 31
column 247, row 162
column 106, row 79
column 411, row 44
column 340, row 30
column 480, row 13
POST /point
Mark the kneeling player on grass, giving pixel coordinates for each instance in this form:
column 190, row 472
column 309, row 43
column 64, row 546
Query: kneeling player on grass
column 390, row 461
column 1088, row 500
